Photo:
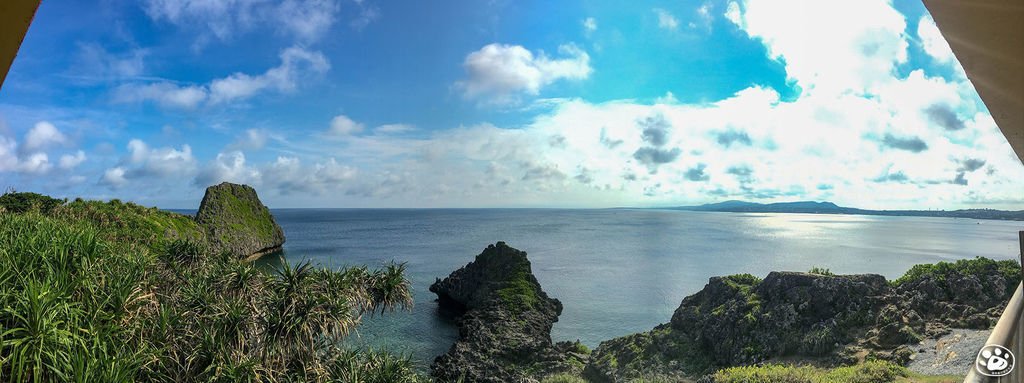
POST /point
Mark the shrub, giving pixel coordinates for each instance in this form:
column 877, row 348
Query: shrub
column 21, row 202
column 867, row 372
column 820, row 271
column 94, row 292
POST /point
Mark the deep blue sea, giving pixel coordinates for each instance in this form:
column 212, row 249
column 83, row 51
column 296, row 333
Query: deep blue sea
column 617, row 271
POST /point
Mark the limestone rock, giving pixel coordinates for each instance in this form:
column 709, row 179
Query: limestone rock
column 237, row 222
column 504, row 320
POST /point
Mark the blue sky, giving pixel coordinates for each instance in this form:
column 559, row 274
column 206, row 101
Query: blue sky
column 485, row 104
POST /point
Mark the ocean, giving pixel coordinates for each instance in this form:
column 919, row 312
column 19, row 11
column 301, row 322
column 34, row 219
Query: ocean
column 616, row 271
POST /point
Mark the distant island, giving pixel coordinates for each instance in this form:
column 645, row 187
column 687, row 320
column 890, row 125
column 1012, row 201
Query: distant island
column 814, row 207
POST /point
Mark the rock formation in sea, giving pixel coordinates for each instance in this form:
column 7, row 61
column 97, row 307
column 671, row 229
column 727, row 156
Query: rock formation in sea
column 237, row 222
column 504, row 320
column 813, row 318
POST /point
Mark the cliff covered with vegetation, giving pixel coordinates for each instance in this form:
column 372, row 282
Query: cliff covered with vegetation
column 817, row 318
column 237, row 222
column 504, row 320
column 114, row 292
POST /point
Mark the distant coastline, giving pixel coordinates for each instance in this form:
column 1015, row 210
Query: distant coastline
column 813, row 207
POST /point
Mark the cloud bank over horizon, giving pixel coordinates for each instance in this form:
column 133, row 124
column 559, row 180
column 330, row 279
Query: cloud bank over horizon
column 870, row 110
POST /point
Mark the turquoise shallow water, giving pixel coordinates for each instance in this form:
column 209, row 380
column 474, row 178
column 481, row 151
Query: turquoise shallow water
column 617, row 271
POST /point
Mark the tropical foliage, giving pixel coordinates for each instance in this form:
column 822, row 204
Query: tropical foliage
column 96, row 292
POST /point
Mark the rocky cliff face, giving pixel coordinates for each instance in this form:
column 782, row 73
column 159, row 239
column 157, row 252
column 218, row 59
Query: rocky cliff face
column 826, row 319
column 237, row 222
column 504, row 320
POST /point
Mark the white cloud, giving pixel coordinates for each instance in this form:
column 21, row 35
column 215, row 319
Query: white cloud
column 144, row 162
column 933, row 42
column 666, row 20
column 114, row 177
column 229, row 167
column 43, row 135
column 308, row 20
column 502, row 72
column 251, row 139
column 342, row 126
column 94, row 63
column 35, row 163
column 703, row 17
column 732, row 13
column 305, row 20
column 589, row 25
column 165, row 94
column 70, row 161
column 287, row 175
column 394, row 129
column 828, row 46
column 8, row 154
column 296, row 64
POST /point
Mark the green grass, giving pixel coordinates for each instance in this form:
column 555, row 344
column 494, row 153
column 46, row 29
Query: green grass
column 868, row 372
column 101, row 292
column 820, row 271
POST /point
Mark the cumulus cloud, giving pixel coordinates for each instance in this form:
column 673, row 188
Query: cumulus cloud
column 145, row 162
column 8, row 154
column 666, row 20
column 933, row 42
column 944, row 116
column 35, row 163
column 854, row 44
column 697, row 173
column 227, row 167
column 70, row 161
column 114, row 177
column 652, row 157
column 288, row 175
column 296, row 64
column 729, row 137
column 857, row 132
column 500, row 73
column 43, row 135
column 655, row 130
column 913, row 144
column 343, row 126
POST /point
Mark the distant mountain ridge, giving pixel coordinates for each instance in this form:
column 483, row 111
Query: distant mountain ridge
column 815, row 207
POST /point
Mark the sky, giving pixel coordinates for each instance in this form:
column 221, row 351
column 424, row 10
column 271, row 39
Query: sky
column 367, row 103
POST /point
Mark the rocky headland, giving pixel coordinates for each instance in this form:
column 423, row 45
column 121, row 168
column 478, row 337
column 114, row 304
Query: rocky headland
column 235, row 221
column 812, row 318
column 815, row 318
column 504, row 320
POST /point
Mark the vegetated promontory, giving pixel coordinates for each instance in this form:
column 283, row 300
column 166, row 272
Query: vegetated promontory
column 96, row 291
column 788, row 327
column 504, row 320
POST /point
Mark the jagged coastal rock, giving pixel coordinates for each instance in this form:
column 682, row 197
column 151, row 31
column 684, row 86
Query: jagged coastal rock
column 237, row 222
column 819, row 318
column 504, row 320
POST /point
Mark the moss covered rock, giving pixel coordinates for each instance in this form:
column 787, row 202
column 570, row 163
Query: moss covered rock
column 504, row 320
column 237, row 222
column 819, row 318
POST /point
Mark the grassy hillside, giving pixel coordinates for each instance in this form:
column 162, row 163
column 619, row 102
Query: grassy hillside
column 114, row 292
